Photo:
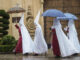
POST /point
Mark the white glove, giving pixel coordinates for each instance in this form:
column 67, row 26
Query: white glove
column 66, row 28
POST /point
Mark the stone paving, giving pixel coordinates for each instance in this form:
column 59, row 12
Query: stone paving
column 49, row 56
column 21, row 57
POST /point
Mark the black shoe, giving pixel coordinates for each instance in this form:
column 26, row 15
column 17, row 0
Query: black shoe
column 57, row 56
column 15, row 53
column 26, row 54
column 75, row 54
column 36, row 54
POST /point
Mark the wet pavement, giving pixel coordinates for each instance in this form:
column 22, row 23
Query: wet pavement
column 30, row 57
column 48, row 56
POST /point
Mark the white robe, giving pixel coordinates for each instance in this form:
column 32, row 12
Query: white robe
column 40, row 45
column 72, row 34
column 27, row 43
column 66, row 47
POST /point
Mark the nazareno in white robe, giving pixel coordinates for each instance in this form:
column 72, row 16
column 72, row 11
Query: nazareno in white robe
column 72, row 34
column 66, row 47
column 27, row 43
column 40, row 45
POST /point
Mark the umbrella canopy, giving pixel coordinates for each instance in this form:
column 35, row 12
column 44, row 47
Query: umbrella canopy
column 68, row 16
column 62, row 18
column 53, row 13
column 16, row 9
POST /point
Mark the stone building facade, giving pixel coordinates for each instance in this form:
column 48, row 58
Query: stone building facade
column 31, row 6
column 71, row 6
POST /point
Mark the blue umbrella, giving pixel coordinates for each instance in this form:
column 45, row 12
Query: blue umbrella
column 68, row 16
column 53, row 13
column 62, row 18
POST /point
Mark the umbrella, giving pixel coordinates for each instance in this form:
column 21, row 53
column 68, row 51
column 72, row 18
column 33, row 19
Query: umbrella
column 68, row 16
column 16, row 9
column 62, row 18
column 53, row 13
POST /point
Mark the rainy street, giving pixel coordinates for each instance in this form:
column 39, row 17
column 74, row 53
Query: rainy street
column 20, row 57
column 48, row 56
column 39, row 29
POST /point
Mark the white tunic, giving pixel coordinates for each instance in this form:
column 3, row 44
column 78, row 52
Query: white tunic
column 27, row 43
column 73, row 35
column 66, row 47
column 40, row 45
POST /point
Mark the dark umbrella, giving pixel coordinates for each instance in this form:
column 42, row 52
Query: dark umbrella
column 53, row 13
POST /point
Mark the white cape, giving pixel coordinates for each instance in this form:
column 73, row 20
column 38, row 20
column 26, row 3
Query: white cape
column 72, row 34
column 27, row 43
column 66, row 47
column 40, row 45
